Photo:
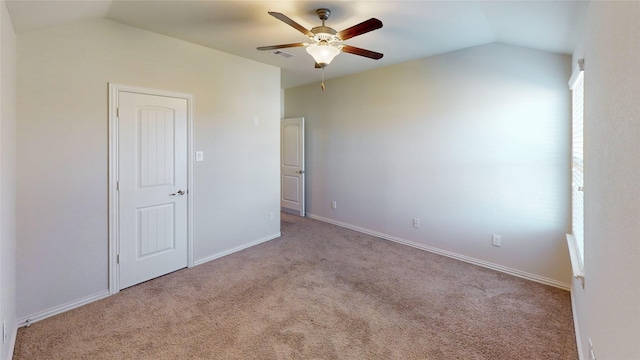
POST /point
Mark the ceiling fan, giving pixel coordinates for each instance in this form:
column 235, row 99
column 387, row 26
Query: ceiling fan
column 326, row 42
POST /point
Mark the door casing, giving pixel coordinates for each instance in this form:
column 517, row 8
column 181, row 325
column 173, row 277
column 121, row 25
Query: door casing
column 114, row 241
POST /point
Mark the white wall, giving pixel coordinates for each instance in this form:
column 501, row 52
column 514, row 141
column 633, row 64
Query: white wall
column 608, row 308
column 7, row 180
column 63, row 74
column 473, row 142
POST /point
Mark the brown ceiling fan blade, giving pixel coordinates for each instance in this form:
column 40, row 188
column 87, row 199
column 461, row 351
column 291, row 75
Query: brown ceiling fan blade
column 318, row 66
column 362, row 52
column 285, row 19
column 363, row 27
column 274, row 47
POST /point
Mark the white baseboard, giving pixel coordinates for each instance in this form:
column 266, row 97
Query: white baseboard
column 575, row 326
column 468, row 259
column 28, row 320
column 236, row 249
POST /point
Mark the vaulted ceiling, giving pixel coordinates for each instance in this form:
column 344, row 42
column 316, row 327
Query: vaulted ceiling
column 412, row 29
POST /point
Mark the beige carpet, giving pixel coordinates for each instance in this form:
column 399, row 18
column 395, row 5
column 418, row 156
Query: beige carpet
column 318, row 292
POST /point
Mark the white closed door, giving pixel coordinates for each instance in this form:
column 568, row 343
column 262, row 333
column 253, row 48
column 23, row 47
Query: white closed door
column 152, row 186
column 292, row 166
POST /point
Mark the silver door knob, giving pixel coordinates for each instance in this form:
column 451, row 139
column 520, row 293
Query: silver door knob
column 300, row 171
column 180, row 192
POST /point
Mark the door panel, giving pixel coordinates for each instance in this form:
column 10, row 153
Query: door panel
column 152, row 178
column 156, row 146
column 156, row 232
column 290, row 144
column 290, row 187
column 292, row 166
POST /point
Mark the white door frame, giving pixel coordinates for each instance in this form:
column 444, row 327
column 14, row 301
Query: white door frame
column 114, row 241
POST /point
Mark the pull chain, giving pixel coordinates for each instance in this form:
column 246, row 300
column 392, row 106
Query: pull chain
column 322, row 84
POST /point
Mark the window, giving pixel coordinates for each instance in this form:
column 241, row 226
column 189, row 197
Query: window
column 576, row 239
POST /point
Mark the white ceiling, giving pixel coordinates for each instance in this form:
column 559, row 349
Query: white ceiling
column 412, row 29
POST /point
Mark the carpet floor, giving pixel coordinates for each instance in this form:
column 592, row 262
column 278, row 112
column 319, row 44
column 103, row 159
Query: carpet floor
column 317, row 292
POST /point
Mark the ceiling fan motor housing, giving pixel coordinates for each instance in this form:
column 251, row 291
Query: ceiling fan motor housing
column 324, row 33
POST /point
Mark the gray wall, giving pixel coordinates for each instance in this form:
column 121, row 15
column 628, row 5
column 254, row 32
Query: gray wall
column 607, row 310
column 473, row 143
column 7, row 180
column 63, row 74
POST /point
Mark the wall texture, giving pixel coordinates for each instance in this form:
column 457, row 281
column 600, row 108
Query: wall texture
column 472, row 143
column 7, row 180
column 63, row 74
column 607, row 310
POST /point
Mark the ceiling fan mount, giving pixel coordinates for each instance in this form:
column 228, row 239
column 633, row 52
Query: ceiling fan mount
column 326, row 42
column 323, row 14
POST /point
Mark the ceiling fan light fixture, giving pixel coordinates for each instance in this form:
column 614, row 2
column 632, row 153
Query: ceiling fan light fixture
column 325, row 42
column 323, row 52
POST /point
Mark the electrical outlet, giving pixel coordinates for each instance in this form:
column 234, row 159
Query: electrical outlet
column 592, row 355
column 416, row 223
column 5, row 333
column 334, row 205
column 272, row 216
column 496, row 240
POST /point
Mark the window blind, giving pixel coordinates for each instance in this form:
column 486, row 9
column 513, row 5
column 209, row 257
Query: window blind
column 577, row 161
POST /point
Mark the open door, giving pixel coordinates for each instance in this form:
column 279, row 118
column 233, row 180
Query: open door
column 292, row 166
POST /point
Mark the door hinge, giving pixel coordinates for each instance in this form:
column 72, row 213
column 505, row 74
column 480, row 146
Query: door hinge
column 118, row 259
column 118, row 112
column 117, row 185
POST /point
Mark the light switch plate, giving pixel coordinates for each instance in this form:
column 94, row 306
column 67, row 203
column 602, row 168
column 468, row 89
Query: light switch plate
column 199, row 156
column 496, row 240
